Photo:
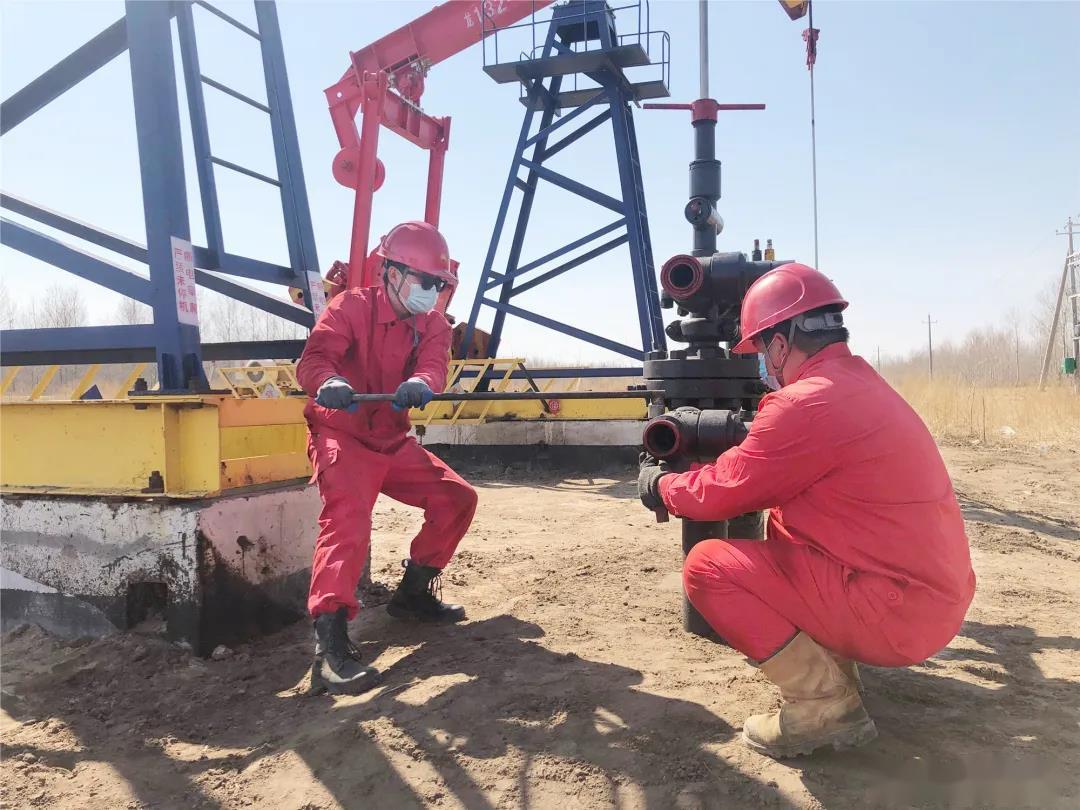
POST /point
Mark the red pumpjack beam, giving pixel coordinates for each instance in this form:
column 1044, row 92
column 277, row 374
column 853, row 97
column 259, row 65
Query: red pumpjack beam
column 385, row 82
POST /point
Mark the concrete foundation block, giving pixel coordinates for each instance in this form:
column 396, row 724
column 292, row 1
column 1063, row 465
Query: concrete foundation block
column 218, row 571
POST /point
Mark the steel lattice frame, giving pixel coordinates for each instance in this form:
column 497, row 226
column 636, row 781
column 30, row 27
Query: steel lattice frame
column 146, row 33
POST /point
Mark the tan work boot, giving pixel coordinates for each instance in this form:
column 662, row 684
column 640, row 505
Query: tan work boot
column 850, row 670
column 821, row 704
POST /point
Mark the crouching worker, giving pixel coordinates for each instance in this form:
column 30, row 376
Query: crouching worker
column 389, row 338
column 865, row 557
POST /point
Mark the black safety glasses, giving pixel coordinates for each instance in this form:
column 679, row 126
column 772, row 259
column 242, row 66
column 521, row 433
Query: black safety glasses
column 426, row 281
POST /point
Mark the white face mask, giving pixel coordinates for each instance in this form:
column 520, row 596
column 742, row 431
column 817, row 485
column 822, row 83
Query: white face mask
column 420, row 300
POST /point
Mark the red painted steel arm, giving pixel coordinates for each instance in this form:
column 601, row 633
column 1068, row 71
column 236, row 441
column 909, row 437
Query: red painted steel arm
column 386, row 81
column 704, row 109
column 444, row 31
column 434, row 37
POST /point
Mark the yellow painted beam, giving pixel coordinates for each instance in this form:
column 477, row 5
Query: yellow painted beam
column 200, row 446
column 63, row 446
column 263, row 440
column 43, row 383
column 251, row 412
column 9, row 378
column 108, row 447
column 592, row 409
column 246, row 472
column 198, row 449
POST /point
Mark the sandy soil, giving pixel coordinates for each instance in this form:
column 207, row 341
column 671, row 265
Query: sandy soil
column 573, row 685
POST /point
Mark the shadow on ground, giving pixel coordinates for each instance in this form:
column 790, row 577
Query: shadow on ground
column 1030, row 521
column 457, row 701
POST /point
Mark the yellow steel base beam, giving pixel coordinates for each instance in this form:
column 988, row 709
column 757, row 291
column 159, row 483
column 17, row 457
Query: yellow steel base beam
column 184, row 447
column 198, row 446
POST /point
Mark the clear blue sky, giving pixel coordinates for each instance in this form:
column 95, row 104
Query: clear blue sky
column 947, row 136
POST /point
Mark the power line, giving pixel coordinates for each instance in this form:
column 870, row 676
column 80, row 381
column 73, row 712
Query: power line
column 811, row 35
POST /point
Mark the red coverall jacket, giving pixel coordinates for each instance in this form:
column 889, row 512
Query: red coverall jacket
column 375, row 355
column 357, row 455
column 846, row 467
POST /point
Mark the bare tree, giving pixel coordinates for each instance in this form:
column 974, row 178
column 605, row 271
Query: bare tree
column 226, row 320
column 131, row 312
column 9, row 308
column 60, row 306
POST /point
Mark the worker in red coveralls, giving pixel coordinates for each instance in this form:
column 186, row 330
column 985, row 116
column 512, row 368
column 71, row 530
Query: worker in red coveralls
column 389, row 338
column 865, row 557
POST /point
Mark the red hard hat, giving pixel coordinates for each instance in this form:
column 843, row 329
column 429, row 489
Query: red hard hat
column 780, row 294
column 418, row 245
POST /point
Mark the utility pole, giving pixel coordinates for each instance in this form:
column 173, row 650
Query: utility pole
column 1074, row 302
column 879, row 359
column 930, row 342
column 1070, row 265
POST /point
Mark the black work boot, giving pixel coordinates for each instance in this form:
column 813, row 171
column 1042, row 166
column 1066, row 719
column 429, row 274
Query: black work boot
column 337, row 668
column 417, row 597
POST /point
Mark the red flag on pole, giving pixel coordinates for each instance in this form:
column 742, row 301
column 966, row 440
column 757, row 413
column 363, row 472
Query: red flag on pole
column 810, row 37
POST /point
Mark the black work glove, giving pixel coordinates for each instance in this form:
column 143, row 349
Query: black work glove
column 648, row 483
column 413, row 393
column 336, row 393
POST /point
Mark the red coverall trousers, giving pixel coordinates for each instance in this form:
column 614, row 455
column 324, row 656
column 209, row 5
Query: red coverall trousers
column 350, row 477
column 758, row 595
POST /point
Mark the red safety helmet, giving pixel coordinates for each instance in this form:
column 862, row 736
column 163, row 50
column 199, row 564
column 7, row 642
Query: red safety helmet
column 781, row 294
column 419, row 246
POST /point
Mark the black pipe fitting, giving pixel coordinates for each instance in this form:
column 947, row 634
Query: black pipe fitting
column 693, row 434
column 705, row 179
column 702, row 214
column 700, row 283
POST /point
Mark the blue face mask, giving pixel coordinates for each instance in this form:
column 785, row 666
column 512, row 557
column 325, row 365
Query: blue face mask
column 770, row 380
column 420, row 300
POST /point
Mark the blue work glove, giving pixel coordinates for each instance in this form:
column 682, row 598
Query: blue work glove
column 336, row 393
column 413, row 393
column 650, row 471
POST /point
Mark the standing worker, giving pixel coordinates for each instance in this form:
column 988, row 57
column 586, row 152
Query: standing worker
column 865, row 557
column 390, row 337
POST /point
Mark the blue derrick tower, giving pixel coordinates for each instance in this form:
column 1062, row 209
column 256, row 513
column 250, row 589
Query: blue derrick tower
column 580, row 47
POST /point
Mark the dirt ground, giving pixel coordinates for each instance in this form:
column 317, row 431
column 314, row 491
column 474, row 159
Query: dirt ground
column 573, row 685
